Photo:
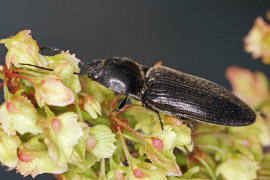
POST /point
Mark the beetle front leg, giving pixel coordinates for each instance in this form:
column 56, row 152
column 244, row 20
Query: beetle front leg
column 120, row 107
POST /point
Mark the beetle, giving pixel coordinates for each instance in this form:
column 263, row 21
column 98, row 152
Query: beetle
column 172, row 92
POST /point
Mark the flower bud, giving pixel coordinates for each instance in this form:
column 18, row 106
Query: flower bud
column 10, row 106
column 92, row 106
column 157, row 143
column 56, row 124
column 90, row 143
column 138, row 173
column 53, row 92
column 25, row 157
column 118, row 175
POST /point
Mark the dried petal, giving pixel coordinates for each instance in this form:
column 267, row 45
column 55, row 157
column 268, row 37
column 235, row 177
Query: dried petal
column 35, row 159
column 22, row 49
column 8, row 149
column 238, row 168
column 143, row 170
column 61, row 143
column 76, row 173
column 80, row 157
column 105, row 140
column 257, row 42
column 92, row 106
column 164, row 160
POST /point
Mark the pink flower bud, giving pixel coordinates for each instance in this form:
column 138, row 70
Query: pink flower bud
column 157, row 143
column 138, row 173
column 56, row 124
column 118, row 175
column 90, row 143
column 25, row 157
column 10, row 106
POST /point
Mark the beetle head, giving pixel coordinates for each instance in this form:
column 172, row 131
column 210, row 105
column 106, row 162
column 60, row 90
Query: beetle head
column 94, row 69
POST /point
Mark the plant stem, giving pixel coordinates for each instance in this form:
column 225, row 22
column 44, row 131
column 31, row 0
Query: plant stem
column 102, row 169
column 139, row 136
column 208, row 168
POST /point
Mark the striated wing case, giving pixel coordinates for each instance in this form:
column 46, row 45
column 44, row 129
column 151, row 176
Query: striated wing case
column 184, row 95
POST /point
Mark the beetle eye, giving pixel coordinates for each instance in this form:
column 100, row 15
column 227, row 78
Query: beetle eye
column 94, row 74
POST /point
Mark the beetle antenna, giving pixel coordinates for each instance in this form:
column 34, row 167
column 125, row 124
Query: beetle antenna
column 39, row 67
column 50, row 51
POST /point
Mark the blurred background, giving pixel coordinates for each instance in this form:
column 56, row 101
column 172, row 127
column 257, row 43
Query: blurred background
column 202, row 38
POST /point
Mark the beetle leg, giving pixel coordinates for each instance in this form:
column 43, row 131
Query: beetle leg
column 122, row 105
column 113, row 102
column 159, row 118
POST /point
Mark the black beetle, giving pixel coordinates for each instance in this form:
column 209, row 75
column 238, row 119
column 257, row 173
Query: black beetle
column 173, row 92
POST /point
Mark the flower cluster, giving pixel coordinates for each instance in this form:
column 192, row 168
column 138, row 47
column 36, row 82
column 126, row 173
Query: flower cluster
column 60, row 123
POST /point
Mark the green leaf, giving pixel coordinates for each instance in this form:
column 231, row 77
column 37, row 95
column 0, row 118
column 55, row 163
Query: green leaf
column 105, row 140
column 18, row 114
